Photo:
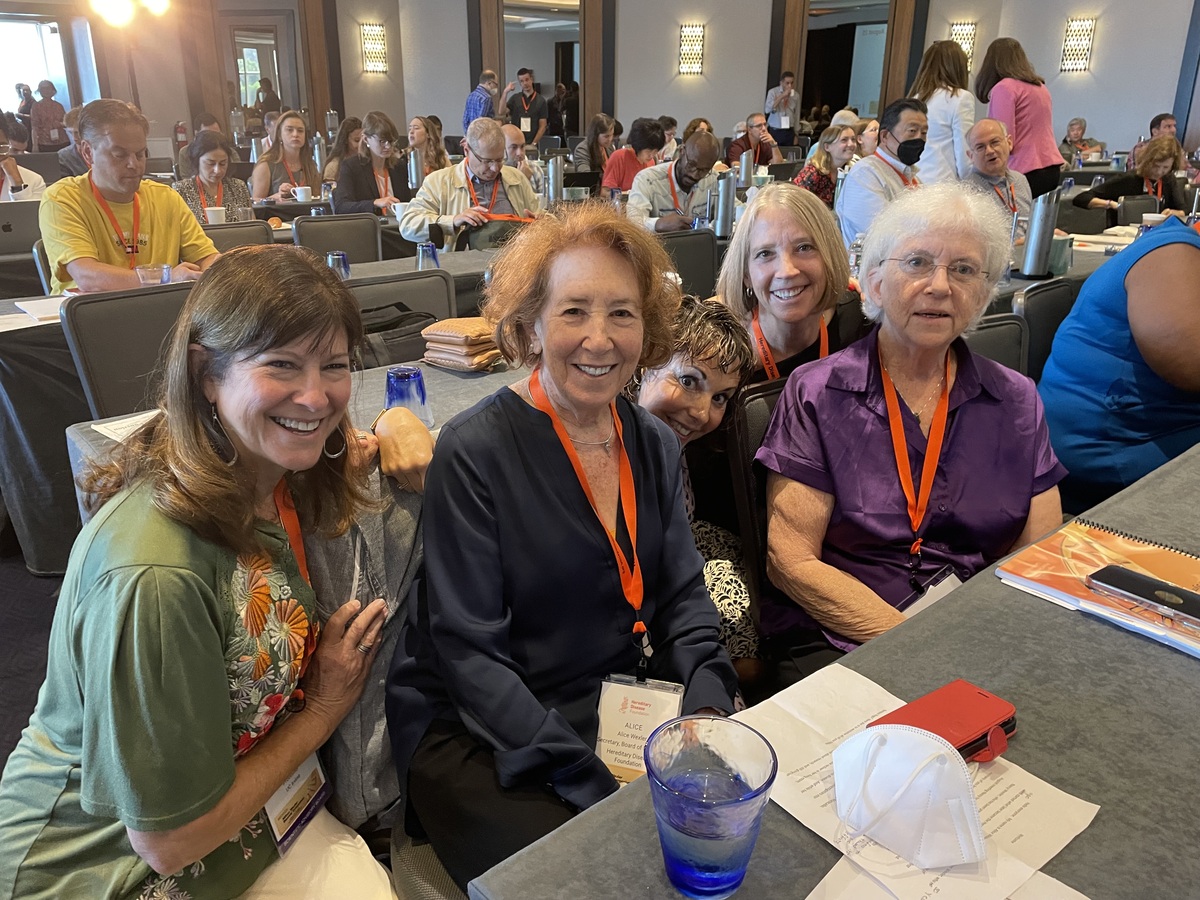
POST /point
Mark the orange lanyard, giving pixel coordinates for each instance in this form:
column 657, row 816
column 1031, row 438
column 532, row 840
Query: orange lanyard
column 1011, row 203
column 767, row 358
column 291, row 175
column 204, row 198
column 1146, row 181
column 131, row 248
column 525, row 102
column 674, row 196
column 908, row 182
column 631, row 578
column 918, row 504
column 286, row 507
column 471, row 188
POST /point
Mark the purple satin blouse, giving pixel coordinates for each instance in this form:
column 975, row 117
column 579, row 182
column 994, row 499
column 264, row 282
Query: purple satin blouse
column 830, row 432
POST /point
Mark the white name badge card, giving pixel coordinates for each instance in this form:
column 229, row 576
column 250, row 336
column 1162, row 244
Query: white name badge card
column 296, row 802
column 785, row 121
column 526, row 123
column 629, row 711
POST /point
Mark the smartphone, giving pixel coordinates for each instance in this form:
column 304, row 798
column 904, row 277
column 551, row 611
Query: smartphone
column 1164, row 598
column 960, row 712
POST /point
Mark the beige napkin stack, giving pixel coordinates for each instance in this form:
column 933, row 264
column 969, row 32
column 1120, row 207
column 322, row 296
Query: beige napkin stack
column 465, row 345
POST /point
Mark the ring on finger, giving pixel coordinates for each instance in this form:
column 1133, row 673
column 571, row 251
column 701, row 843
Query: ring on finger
column 364, row 648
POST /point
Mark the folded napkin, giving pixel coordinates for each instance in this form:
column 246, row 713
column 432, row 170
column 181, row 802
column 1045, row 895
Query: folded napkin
column 462, row 349
column 464, row 331
column 459, row 362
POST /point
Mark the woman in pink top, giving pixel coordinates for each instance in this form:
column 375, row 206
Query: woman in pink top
column 1017, row 96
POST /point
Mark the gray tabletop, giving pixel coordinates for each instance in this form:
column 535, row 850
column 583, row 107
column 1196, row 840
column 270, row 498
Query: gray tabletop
column 1103, row 714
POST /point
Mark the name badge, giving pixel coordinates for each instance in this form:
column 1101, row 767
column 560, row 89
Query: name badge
column 629, row 711
column 526, row 123
column 785, row 121
column 943, row 582
column 296, row 802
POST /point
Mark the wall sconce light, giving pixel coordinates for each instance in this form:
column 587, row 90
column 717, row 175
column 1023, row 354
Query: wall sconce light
column 119, row 13
column 963, row 34
column 1077, row 45
column 374, row 48
column 691, row 49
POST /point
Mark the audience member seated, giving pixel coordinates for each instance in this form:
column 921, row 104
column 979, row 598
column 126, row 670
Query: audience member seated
column 514, row 155
column 988, row 149
column 373, row 179
column 1122, row 385
column 853, row 537
column 786, row 276
column 876, row 180
column 531, row 494
column 867, row 131
column 209, row 155
column 646, row 139
column 592, row 155
column 478, row 190
column 185, row 166
column 16, row 182
column 1076, row 142
column 697, row 124
column 669, row 196
column 671, row 148
column 757, row 138
column 269, row 121
column 1152, row 175
column 288, row 163
column 189, row 674
column 834, row 150
column 425, row 134
column 345, row 145
column 69, row 161
column 1163, row 123
column 98, row 227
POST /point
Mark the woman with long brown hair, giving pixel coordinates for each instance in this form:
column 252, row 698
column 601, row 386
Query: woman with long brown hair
column 941, row 84
column 373, row 179
column 425, row 135
column 1017, row 96
column 288, row 164
column 592, row 155
column 345, row 145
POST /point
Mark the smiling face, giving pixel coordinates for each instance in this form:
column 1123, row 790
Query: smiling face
column 869, row 139
column 590, row 329
column 842, row 148
column 213, row 166
column 988, row 148
column 118, row 161
column 785, row 269
column 278, row 407
column 689, row 395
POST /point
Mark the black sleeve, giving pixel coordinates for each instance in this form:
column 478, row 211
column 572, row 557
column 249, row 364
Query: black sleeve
column 1173, row 196
column 355, row 191
column 1113, row 189
column 400, row 189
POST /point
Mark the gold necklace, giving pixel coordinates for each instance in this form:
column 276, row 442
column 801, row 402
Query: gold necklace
column 612, row 427
column 936, row 388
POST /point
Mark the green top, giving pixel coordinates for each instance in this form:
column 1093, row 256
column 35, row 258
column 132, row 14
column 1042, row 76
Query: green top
column 169, row 657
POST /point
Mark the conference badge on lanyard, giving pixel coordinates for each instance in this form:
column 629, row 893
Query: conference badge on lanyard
column 629, row 711
column 295, row 803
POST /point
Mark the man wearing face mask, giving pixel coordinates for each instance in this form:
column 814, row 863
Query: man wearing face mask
column 667, row 197
column 876, row 180
column 481, row 102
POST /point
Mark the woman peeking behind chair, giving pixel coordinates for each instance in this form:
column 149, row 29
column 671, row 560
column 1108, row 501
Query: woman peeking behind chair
column 905, row 453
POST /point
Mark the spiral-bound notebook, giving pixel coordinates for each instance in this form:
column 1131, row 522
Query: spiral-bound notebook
column 1055, row 568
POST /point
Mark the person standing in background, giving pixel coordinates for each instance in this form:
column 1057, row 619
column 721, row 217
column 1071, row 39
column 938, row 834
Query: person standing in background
column 528, row 110
column 481, row 102
column 47, row 131
column 782, row 109
column 941, row 84
column 25, row 103
column 556, row 109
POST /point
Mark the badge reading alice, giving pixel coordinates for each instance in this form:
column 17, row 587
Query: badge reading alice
column 629, row 711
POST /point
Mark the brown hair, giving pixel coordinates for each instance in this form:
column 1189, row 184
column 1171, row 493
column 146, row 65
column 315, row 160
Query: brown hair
column 380, row 125
column 307, row 164
column 1005, row 58
column 341, row 141
column 1158, row 148
column 518, row 287
column 944, row 66
column 807, row 210
column 437, row 157
column 695, row 124
column 821, row 158
column 97, row 117
column 250, row 300
column 600, row 124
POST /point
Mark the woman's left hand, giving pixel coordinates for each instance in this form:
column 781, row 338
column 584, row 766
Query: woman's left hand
column 405, row 448
column 363, row 449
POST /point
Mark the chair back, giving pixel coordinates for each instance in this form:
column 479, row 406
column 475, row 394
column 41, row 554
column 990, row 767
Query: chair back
column 240, row 170
column 116, row 342
column 45, row 164
column 19, row 226
column 695, row 256
column 750, row 417
column 1043, row 306
column 41, row 259
column 548, row 142
column 239, row 234
column 396, row 307
column 356, row 234
column 453, row 144
column 797, row 152
column 1074, row 220
column 1130, row 209
column 1002, row 338
column 574, row 141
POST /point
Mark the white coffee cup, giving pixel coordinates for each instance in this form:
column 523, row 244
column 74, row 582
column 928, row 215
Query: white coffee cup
column 1093, row 156
column 215, row 215
column 302, row 193
column 398, row 210
column 1152, row 219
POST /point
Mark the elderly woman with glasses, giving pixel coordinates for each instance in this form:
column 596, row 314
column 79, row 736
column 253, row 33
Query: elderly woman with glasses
column 905, row 458
column 373, row 179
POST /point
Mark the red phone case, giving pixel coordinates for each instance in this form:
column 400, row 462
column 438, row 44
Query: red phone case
column 963, row 714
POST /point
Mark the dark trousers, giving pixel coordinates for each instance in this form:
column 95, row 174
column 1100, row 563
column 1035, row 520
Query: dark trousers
column 471, row 821
column 784, row 137
column 1043, row 181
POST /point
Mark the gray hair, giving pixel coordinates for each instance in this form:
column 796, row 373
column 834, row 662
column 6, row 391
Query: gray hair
column 947, row 208
column 844, row 117
column 1080, row 121
column 484, row 132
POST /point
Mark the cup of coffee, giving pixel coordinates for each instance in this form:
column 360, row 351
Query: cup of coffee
column 214, row 215
column 398, row 210
column 154, row 274
column 1094, row 156
column 302, row 193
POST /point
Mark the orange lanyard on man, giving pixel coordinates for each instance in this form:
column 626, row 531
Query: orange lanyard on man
column 204, row 198
column 908, row 182
column 525, row 102
column 675, row 196
column 631, row 577
column 918, row 503
column 767, row 358
column 471, row 188
column 1158, row 184
column 130, row 247
column 1011, row 202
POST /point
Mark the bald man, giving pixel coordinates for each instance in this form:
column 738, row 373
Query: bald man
column 988, row 148
column 514, row 155
column 667, row 197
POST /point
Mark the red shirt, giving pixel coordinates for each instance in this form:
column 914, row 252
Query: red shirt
column 621, row 168
column 763, row 153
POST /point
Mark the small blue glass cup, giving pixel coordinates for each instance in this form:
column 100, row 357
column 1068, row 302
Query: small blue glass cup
column 339, row 262
column 699, row 222
column 710, row 780
column 406, row 387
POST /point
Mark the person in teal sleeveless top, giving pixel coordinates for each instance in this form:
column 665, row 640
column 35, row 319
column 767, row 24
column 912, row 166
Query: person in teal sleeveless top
column 1122, row 385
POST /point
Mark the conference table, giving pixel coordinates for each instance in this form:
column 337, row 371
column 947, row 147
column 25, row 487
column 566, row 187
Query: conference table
column 1103, row 714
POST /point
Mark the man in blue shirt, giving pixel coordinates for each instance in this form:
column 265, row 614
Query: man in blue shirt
column 480, row 102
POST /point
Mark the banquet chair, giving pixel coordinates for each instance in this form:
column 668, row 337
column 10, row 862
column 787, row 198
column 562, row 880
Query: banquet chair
column 574, row 141
column 785, row 171
column 548, row 142
column 45, row 164
column 396, row 307
column 1002, row 338
column 116, row 340
column 356, row 234
column 240, row 170
column 1130, row 209
column 239, row 234
column 42, row 260
column 695, row 257
column 797, row 152
column 1043, row 306
column 1074, row 220
column 453, row 144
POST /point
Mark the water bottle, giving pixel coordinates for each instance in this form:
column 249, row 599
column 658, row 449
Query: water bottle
column 1078, row 160
column 416, row 168
column 554, row 180
column 726, row 204
column 855, row 252
column 615, row 198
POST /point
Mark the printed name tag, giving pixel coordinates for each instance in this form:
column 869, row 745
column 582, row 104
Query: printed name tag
column 942, row 583
column 296, row 802
column 526, row 124
column 785, row 121
column 628, row 713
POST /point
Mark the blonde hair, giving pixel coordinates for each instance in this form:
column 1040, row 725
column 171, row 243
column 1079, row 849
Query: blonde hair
column 821, row 158
column 1157, row 149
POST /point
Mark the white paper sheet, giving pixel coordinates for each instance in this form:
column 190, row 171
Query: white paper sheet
column 44, row 309
column 1026, row 820
column 120, row 429
column 15, row 321
column 846, row 882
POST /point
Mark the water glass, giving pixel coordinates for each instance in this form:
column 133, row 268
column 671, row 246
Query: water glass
column 427, row 256
column 327, row 192
column 339, row 262
column 317, row 211
column 406, row 387
column 153, row 274
column 1097, row 181
column 699, row 222
column 710, row 779
column 244, row 214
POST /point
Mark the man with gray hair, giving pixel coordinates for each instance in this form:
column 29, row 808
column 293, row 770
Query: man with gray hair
column 988, row 148
column 478, row 190
column 98, row 227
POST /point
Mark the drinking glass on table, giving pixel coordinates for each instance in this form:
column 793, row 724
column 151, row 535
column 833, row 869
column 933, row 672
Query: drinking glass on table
column 149, row 275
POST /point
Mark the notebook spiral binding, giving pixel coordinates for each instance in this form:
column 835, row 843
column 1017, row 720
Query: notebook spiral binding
column 1096, row 526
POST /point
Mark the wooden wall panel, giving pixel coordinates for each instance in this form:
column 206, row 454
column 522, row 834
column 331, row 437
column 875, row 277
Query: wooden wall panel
column 895, row 59
column 202, row 65
column 491, row 39
column 315, row 67
column 795, row 40
column 591, row 63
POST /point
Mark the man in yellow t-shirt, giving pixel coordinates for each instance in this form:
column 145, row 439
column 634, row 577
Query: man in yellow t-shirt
column 88, row 221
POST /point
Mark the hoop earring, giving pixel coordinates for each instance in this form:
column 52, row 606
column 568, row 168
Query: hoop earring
column 224, row 435
column 325, row 450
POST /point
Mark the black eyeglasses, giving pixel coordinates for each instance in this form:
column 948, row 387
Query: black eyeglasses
column 485, row 160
